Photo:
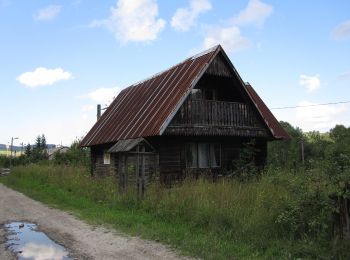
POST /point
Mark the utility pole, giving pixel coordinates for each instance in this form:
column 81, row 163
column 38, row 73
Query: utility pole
column 302, row 151
column 11, row 149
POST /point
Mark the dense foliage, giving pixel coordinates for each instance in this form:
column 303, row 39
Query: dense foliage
column 328, row 151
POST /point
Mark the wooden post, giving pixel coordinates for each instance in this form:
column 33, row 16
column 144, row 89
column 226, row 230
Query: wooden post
column 120, row 172
column 122, row 169
column 137, row 171
column 302, row 151
column 143, row 180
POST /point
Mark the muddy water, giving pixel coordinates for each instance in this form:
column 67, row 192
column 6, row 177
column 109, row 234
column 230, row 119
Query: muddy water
column 28, row 243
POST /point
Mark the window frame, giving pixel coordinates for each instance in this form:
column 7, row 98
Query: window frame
column 196, row 145
column 106, row 158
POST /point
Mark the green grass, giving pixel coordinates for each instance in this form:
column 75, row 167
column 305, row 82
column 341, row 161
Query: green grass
column 222, row 220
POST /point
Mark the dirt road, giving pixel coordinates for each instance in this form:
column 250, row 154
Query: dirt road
column 83, row 241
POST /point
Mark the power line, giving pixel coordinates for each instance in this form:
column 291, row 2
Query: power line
column 314, row 105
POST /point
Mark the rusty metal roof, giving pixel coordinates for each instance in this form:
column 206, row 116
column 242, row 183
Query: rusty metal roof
column 147, row 107
column 275, row 127
column 141, row 109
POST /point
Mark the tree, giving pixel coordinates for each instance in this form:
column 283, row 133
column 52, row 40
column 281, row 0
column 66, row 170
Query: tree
column 286, row 153
column 28, row 150
column 338, row 154
column 43, row 142
column 38, row 142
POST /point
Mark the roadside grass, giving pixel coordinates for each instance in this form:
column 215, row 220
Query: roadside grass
column 222, row 220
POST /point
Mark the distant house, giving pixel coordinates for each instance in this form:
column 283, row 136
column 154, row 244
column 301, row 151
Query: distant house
column 195, row 115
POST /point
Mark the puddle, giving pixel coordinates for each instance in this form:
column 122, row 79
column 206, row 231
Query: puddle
column 28, row 243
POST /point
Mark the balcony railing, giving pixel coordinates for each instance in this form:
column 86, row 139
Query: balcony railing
column 215, row 113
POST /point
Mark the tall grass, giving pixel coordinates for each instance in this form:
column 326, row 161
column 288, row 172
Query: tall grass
column 223, row 220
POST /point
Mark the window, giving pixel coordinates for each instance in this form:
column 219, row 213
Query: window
column 196, row 93
column 106, row 158
column 204, row 94
column 203, row 155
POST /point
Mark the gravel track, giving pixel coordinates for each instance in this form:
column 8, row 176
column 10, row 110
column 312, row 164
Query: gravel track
column 82, row 240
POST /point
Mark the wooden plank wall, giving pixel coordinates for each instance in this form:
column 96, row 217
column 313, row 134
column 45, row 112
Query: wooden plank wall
column 170, row 161
column 99, row 168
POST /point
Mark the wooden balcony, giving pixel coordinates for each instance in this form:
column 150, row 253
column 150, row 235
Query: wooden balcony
column 207, row 117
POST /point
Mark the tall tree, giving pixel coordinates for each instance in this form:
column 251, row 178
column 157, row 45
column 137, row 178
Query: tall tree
column 43, row 142
column 28, row 150
column 38, row 142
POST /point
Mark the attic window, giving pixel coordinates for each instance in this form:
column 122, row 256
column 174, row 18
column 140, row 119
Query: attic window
column 106, row 158
column 196, row 93
column 204, row 94
column 210, row 94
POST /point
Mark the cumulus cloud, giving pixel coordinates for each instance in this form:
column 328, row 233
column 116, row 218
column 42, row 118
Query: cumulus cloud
column 311, row 83
column 255, row 13
column 48, row 13
column 341, row 31
column 229, row 37
column 104, row 95
column 133, row 21
column 185, row 18
column 43, row 76
column 318, row 117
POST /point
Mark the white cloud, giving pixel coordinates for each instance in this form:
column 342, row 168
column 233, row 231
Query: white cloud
column 104, row 95
column 48, row 13
column 255, row 13
column 318, row 117
column 341, row 31
column 133, row 21
column 229, row 37
column 185, row 18
column 43, row 76
column 311, row 83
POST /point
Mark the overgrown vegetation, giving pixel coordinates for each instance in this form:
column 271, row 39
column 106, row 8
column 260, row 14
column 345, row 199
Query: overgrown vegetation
column 283, row 215
column 38, row 153
column 292, row 211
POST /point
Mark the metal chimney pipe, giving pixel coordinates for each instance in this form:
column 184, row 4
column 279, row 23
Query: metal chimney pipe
column 98, row 111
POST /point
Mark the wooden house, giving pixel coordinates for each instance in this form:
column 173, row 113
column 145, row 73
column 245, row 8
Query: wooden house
column 194, row 116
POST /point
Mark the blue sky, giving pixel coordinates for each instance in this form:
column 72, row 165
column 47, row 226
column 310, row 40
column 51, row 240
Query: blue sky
column 59, row 59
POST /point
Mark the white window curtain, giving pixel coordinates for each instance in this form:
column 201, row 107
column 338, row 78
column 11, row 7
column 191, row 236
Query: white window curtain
column 203, row 155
